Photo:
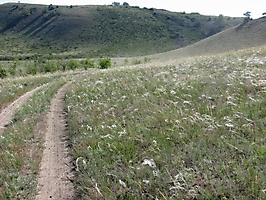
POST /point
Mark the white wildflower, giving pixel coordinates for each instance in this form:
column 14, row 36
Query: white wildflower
column 107, row 136
column 146, row 181
column 150, row 162
column 121, row 133
column 173, row 92
column 187, row 102
column 89, row 128
column 229, row 125
column 122, row 183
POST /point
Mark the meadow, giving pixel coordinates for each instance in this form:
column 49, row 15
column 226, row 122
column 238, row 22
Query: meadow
column 188, row 130
column 192, row 128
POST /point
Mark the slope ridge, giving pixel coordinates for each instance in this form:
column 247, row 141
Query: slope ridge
column 245, row 35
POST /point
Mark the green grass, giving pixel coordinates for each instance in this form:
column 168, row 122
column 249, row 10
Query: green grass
column 94, row 31
column 12, row 88
column 190, row 130
column 21, row 145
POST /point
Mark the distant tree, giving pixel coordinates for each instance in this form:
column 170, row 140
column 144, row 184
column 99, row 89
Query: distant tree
column 116, row 4
column 247, row 17
column 263, row 13
column 50, row 7
column 125, row 4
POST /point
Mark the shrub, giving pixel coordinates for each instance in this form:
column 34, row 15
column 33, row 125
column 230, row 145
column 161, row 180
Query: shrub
column 146, row 60
column 72, row 64
column 105, row 63
column 32, row 69
column 12, row 70
column 88, row 63
column 136, row 62
column 3, row 73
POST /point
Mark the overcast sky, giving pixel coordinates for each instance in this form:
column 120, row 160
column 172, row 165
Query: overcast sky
column 233, row 8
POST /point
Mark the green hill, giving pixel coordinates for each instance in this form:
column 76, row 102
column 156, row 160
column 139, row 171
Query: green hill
column 28, row 30
column 243, row 36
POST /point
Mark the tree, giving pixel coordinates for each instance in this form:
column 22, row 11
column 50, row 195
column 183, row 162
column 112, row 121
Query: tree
column 247, row 17
column 125, row 4
column 247, row 14
column 264, row 14
column 116, row 4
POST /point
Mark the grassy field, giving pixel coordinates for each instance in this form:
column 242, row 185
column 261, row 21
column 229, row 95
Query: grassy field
column 190, row 130
column 168, row 126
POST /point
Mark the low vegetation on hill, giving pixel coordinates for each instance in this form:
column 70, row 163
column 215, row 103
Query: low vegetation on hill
column 28, row 31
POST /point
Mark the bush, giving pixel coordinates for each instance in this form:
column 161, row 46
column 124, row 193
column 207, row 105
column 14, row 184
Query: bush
column 32, row 69
column 136, row 62
column 105, row 63
column 72, row 64
column 88, row 63
column 12, row 70
column 3, row 73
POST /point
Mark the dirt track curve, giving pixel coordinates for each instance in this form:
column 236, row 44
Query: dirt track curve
column 7, row 113
column 54, row 181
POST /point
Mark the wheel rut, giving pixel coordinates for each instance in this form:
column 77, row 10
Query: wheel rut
column 7, row 113
column 54, row 180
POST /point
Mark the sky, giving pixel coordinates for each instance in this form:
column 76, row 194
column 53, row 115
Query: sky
column 232, row 8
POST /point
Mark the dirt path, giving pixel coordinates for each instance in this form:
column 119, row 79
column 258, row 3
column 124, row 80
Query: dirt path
column 55, row 174
column 7, row 113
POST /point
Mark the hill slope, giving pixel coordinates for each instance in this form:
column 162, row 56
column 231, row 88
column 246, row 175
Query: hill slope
column 101, row 30
column 247, row 35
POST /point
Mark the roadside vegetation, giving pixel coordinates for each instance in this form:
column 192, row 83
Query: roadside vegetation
column 190, row 130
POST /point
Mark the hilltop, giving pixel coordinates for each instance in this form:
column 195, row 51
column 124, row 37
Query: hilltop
column 29, row 30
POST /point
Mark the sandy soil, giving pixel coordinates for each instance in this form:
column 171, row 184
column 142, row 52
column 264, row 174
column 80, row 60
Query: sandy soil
column 7, row 113
column 54, row 180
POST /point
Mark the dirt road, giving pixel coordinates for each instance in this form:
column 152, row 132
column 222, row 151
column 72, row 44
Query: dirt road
column 55, row 174
column 7, row 113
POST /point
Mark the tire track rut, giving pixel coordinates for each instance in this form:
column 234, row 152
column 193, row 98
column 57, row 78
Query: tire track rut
column 7, row 113
column 54, row 180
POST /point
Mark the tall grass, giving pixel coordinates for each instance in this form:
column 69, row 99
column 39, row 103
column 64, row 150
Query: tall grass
column 190, row 130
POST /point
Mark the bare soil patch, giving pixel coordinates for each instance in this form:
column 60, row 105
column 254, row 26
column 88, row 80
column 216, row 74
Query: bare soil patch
column 54, row 181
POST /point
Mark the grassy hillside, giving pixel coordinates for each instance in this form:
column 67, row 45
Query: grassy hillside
column 82, row 31
column 245, row 35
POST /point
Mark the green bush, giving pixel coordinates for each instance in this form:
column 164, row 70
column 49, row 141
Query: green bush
column 3, row 73
column 12, row 70
column 105, row 63
column 32, row 69
column 88, row 63
column 136, row 62
column 72, row 64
